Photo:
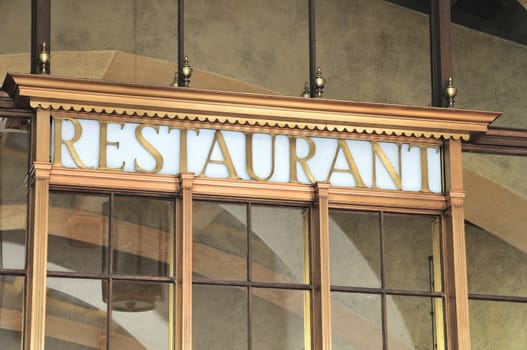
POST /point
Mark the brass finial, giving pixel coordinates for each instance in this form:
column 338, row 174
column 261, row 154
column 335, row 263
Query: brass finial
column 320, row 81
column 306, row 92
column 186, row 71
column 450, row 92
column 44, row 58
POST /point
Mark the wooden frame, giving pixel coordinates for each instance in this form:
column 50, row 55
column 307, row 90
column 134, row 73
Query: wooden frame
column 257, row 113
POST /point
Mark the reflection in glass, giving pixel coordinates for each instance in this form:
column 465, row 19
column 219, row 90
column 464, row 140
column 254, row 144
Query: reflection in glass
column 11, row 312
column 219, row 317
column 354, row 249
column 409, row 242
column 75, row 314
column 415, row 323
column 15, row 17
column 141, row 236
column 494, row 266
column 356, row 321
column 498, row 325
column 263, row 45
column 219, row 241
column 382, row 46
column 280, row 319
column 139, row 326
column 116, row 40
column 279, row 239
column 14, row 150
column 78, row 232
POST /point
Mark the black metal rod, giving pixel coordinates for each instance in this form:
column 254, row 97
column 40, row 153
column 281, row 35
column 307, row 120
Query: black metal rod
column 440, row 50
column 40, row 32
column 180, row 42
column 312, row 48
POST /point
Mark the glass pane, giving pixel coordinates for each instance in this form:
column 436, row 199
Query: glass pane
column 78, row 232
column 15, row 35
column 250, row 45
column 490, row 58
column 140, row 315
column 14, row 153
column 415, row 323
column 219, row 318
column 356, row 321
column 412, row 252
column 354, row 249
column 279, row 238
column 498, row 325
column 118, row 40
column 280, row 319
column 373, row 51
column 11, row 312
column 495, row 208
column 219, row 241
column 142, row 230
column 75, row 314
column 494, row 266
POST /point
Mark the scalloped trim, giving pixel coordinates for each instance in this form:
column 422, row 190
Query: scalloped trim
column 240, row 120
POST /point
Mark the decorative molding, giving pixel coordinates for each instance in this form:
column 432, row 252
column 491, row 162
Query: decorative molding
column 499, row 141
column 217, row 107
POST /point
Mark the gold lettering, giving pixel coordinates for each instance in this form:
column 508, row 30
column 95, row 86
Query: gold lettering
column 293, row 158
column 149, row 148
column 352, row 166
column 227, row 160
column 425, row 185
column 104, row 143
column 57, row 157
column 183, row 148
column 249, row 157
column 377, row 150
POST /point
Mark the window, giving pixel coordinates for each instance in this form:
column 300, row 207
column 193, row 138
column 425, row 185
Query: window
column 251, row 275
column 110, row 268
column 386, row 281
column 14, row 150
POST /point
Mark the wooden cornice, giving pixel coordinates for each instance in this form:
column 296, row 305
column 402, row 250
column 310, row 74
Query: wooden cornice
column 218, row 107
column 499, row 141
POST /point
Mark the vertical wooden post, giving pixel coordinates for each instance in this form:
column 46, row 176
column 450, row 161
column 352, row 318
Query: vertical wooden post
column 320, row 268
column 38, row 248
column 184, row 267
column 456, row 287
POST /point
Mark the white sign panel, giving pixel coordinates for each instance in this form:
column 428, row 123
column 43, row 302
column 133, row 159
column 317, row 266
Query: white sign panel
column 164, row 149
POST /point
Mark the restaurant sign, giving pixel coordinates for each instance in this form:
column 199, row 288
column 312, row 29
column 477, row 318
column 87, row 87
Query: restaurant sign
column 274, row 157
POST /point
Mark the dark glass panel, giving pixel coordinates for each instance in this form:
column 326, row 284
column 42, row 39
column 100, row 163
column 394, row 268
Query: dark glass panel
column 280, row 319
column 219, row 317
column 75, row 314
column 140, row 315
column 11, row 312
column 495, row 208
column 354, row 249
column 356, row 321
column 279, row 239
column 118, row 40
column 219, row 241
column 415, row 323
column 142, row 231
column 373, row 51
column 14, row 154
column 15, row 37
column 490, row 63
column 248, row 45
column 412, row 257
column 498, row 325
column 78, row 232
